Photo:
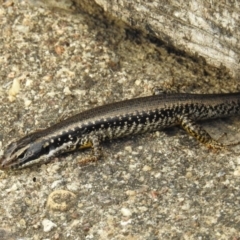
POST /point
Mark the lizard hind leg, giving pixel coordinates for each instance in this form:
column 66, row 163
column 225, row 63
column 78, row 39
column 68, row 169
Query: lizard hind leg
column 201, row 134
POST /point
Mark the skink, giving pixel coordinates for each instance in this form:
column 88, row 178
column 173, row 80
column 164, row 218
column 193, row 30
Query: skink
column 120, row 119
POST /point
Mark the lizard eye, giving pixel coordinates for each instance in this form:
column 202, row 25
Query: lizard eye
column 28, row 154
column 23, row 154
column 33, row 150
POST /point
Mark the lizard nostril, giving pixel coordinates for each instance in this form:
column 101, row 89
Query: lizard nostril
column 3, row 164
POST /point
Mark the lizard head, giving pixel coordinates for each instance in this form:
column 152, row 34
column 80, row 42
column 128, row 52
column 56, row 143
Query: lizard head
column 20, row 153
column 33, row 149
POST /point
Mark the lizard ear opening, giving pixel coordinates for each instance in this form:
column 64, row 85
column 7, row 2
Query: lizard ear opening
column 46, row 149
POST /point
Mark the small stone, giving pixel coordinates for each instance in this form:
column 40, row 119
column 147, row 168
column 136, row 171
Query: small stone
column 14, row 90
column 56, row 183
column 59, row 49
column 138, row 82
column 157, row 133
column 157, row 175
column 131, row 193
column 146, row 168
column 22, row 223
column 11, row 98
column 47, row 78
column 143, row 209
column 124, row 223
column 48, row 225
column 237, row 171
column 27, row 102
column 126, row 212
column 28, row 83
column 189, row 175
column 128, row 148
column 181, row 199
column 61, row 200
column 238, row 160
column 13, row 188
column 186, row 206
column 22, row 29
column 74, row 186
column 67, row 91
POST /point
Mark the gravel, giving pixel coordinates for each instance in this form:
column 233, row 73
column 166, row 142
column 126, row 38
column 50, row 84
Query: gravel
column 161, row 185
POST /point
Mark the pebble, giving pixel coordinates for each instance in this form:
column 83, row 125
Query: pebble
column 130, row 192
column 146, row 168
column 128, row 148
column 48, row 225
column 126, row 212
column 67, row 91
column 237, row 171
column 56, row 183
column 61, row 200
column 124, row 223
column 14, row 90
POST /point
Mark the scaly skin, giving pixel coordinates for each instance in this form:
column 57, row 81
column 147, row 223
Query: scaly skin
column 120, row 119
